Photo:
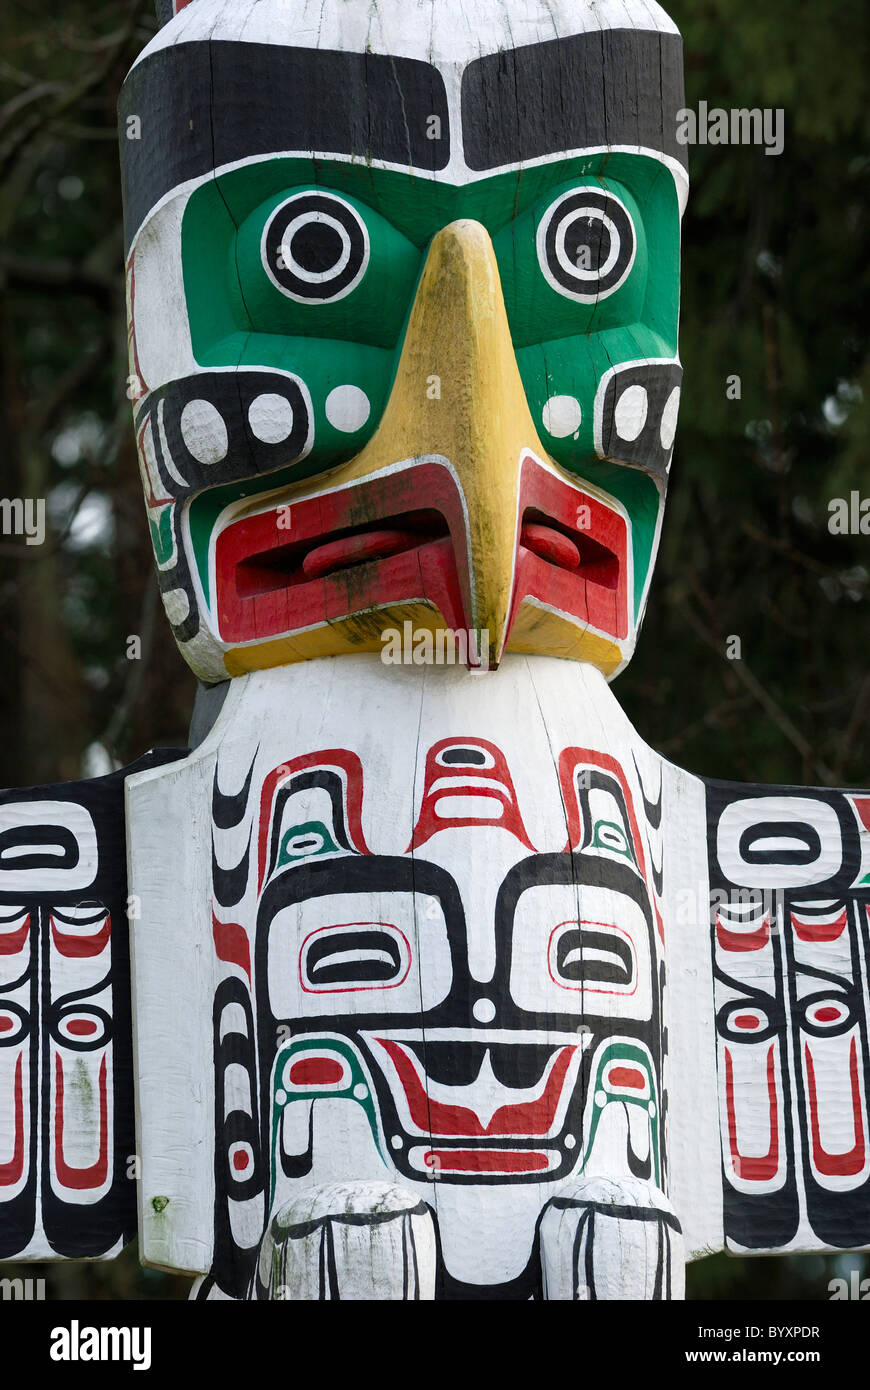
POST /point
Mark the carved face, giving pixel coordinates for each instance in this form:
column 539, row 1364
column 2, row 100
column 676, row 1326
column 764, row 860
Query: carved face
column 404, row 323
column 369, row 963
column 441, row 968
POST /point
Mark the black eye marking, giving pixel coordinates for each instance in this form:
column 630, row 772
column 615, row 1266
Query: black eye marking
column 348, row 958
column 463, row 757
column 315, row 248
column 582, row 955
column 586, row 244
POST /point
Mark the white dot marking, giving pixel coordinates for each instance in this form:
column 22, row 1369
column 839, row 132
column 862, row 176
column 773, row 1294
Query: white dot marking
column 561, row 416
column 347, row 408
column 631, row 412
column 177, row 605
column 271, row 418
column 204, row 432
column 668, row 428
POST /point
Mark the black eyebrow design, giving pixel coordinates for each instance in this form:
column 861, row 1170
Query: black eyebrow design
column 609, row 87
column 206, row 104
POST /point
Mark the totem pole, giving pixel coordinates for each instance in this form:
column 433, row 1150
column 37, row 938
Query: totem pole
column 444, row 983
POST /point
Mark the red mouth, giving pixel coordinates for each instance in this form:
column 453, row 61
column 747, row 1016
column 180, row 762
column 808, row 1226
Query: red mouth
column 487, row 1160
column 572, row 554
column 528, row 1119
column 344, row 553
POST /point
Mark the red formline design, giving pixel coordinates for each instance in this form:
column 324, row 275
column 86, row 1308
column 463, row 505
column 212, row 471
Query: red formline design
column 349, row 763
column 764, row 1167
column 231, row 943
column 851, row 1163
column 93, row 1176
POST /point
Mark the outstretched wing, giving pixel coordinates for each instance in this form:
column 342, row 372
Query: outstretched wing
column 790, row 909
column 67, row 1146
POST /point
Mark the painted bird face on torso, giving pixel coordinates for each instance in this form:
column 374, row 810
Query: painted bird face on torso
column 404, row 324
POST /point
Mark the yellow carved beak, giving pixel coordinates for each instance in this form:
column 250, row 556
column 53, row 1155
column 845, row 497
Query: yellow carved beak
column 458, row 393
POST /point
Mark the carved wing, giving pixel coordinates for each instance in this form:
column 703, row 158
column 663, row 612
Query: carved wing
column 67, row 1141
column 790, row 910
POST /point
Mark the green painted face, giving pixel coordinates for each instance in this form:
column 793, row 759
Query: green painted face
column 567, row 331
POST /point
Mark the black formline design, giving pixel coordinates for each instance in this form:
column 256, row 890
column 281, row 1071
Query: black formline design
column 230, row 394
column 74, row 1230
column 770, row 1221
column 350, row 871
column 646, row 450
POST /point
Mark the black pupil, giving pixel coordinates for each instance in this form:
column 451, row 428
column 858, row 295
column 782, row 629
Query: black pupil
column 614, row 968
column 587, row 243
column 465, row 757
column 372, row 946
column 316, row 247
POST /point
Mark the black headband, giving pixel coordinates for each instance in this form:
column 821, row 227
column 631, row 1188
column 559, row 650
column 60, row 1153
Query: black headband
column 611, row 87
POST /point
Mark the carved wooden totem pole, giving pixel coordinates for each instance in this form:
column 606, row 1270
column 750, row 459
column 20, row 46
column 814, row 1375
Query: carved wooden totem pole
column 444, row 984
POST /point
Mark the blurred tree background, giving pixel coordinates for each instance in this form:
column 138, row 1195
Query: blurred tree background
column 776, row 275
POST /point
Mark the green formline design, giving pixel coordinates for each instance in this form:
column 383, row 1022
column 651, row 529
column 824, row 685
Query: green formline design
column 162, row 536
column 638, row 1056
column 358, row 1078
column 288, row 855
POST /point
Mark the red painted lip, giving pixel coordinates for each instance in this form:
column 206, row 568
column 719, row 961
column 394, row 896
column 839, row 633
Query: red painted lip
column 390, row 540
column 402, row 537
column 531, row 1119
column 558, row 519
column 360, row 547
column 487, row 1160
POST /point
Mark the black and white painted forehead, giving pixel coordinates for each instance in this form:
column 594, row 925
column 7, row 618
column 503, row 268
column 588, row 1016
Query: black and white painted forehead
column 508, row 84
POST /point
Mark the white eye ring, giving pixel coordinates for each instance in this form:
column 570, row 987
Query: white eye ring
column 586, row 284
column 590, row 214
column 306, row 284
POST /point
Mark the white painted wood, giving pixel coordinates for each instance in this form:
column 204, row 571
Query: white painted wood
column 390, row 717
column 438, row 31
column 350, row 1241
column 693, row 1139
column 611, row 1239
column 163, row 344
column 169, row 865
